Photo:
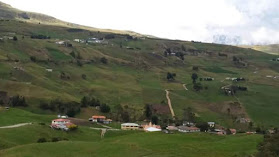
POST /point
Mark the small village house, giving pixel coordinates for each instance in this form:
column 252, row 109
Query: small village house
column 62, row 124
column 60, row 42
column 233, row 131
column 186, row 129
column 49, row 70
column 172, row 128
column 129, row 126
column 211, row 124
column 151, row 127
column 99, row 119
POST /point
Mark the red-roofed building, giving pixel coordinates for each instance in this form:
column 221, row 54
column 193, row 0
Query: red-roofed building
column 98, row 118
column 233, row 131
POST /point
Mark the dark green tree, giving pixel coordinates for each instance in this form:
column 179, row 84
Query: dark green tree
column 194, row 77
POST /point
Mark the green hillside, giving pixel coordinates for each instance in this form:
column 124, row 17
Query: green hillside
column 127, row 71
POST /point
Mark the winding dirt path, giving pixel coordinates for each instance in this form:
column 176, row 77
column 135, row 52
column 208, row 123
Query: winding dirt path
column 15, row 126
column 169, row 103
column 184, row 85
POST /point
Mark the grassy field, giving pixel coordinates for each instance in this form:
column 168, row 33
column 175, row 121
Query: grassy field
column 86, row 142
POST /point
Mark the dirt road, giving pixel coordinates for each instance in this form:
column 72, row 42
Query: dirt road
column 15, row 126
column 184, row 85
column 169, row 103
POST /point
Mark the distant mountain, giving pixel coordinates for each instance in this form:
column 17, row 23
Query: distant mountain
column 271, row 49
column 8, row 12
column 227, row 40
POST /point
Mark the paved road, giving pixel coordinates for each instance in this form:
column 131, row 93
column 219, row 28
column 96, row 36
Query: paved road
column 15, row 126
column 169, row 103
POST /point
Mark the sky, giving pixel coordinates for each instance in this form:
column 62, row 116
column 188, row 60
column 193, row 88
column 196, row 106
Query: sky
column 221, row 21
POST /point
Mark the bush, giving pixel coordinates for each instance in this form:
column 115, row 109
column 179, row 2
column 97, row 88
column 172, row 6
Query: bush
column 33, row 58
column 73, row 127
column 41, row 140
column 55, row 139
column 15, row 38
column 104, row 60
column 83, row 76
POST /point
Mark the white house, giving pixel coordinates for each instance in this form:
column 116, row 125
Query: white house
column 49, row 70
column 60, row 121
column 211, row 124
column 129, row 126
column 187, row 129
column 60, row 42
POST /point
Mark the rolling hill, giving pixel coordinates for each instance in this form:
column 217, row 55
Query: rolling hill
column 44, row 59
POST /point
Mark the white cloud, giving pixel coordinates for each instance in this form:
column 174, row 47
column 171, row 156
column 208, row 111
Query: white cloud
column 175, row 19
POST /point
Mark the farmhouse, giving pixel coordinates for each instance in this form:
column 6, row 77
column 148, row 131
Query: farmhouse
column 62, row 124
column 172, row 128
column 129, row 126
column 60, row 42
column 77, row 40
column 186, row 123
column 187, row 129
column 99, row 119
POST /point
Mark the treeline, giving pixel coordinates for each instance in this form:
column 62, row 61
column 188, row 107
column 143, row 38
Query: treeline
column 40, row 37
column 17, row 101
column 93, row 102
column 57, row 105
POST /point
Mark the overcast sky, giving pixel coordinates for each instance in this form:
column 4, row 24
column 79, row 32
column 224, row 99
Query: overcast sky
column 246, row 21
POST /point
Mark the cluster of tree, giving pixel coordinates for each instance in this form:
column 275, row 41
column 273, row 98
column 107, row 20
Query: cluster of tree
column 17, row 101
column 110, row 36
column 189, row 115
column 154, row 118
column 91, row 101
column 57, row 105
column 238, row 61
column 122, row 113
column 269, row 147
column 196, row 85
column 171, row 76
column 233, row 89
column 40, row 37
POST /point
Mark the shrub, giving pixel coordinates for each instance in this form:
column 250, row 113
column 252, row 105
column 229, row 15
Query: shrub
column 41, row 140
column 55, row 139
column 104, row 60
column 15, row 38
column 73, row 127
column 33, row 58
column 83, row 76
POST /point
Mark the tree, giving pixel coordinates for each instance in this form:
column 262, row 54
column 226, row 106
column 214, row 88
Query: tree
column 18, row 101
column 79, row 63
column 104, row 108
column 203, row 126
column 196, row 68
column 15, row 38
column 194, row 77
column 188, row 115
column 84, row 101
column 104, row 60
column 154, row 119
column 33, row 58
column 171, row 76
column 147, row 111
